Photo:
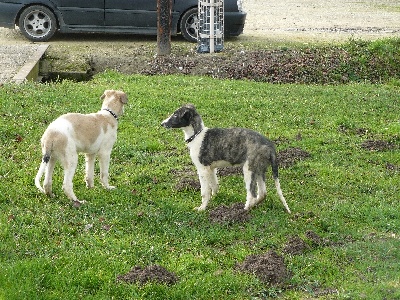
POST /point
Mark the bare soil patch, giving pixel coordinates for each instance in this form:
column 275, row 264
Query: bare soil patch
column 315, row 239
column 154, row 273
column 295, row 246
column 392, row 167
column 187, row 183
column 270, row 268
column 229, row 214
column 291, row 156
column 377, row 145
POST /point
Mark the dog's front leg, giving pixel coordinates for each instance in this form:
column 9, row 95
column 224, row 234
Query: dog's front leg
column 214, row 182
column 104, row 160
column 205, row 177
column 89, row 176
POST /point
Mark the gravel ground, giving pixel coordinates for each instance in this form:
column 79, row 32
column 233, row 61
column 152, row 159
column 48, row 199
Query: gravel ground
column 326, row 20
column 12, row 58
column 267, row 21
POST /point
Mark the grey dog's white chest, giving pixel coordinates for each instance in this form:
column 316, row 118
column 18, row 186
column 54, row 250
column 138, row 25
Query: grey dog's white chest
column 195, row 148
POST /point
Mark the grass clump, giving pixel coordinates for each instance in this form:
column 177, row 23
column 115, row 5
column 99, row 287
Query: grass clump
column 343, row 193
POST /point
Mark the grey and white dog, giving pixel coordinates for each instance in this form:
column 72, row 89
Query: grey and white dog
column 212, row 148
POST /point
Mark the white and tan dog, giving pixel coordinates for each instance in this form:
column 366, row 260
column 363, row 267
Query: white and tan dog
column 93, row 134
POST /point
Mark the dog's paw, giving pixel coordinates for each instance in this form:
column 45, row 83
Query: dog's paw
column 200, row 208
column 77, row 203
column 48, row 192
column 248, row 206
column 250, row 202
column 110, row 187
column 89, row 183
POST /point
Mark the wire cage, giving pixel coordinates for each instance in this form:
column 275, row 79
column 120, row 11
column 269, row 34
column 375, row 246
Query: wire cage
column 211, row 26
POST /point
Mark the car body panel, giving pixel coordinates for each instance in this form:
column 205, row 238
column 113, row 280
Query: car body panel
column 8, row 14
column 77, row 12
column 135, row 13
column 115, row 16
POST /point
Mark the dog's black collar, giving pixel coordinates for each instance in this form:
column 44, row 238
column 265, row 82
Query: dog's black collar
column 193, row 137
column 112, row 113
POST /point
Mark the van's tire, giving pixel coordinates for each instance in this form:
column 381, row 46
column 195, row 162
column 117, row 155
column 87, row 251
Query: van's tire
column 190, row 25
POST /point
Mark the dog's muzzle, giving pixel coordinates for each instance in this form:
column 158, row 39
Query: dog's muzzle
column 165, row 124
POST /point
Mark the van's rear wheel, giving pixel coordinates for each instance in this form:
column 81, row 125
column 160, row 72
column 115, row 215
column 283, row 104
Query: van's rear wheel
column 190, row 25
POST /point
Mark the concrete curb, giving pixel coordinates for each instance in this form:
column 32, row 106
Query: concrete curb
column 30, row 70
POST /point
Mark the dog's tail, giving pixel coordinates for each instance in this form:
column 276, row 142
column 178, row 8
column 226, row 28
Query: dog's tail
column 42, row 168
column 274, row 165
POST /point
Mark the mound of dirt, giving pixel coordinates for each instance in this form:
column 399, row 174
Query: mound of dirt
column 232, row 214
column 270, row 268
column 290, row 156
column 153, row 273
column 295, row 246
column 377, row 145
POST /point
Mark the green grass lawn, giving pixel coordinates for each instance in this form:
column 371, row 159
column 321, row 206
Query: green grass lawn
column 344, row 192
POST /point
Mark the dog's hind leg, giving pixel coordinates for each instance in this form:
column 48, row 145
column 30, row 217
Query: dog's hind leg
column 206, row 177
column 262, row 191
column 89, row 176
column 48, row 176
column 250, row 179
column 70, row 163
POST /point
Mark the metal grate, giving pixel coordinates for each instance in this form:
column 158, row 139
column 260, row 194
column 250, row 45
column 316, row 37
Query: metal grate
column 211, row 26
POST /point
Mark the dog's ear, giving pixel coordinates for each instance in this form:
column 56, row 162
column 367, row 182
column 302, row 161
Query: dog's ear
column 190, row 106
column 106, row 92
column 123, row 97
column 188, row 113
